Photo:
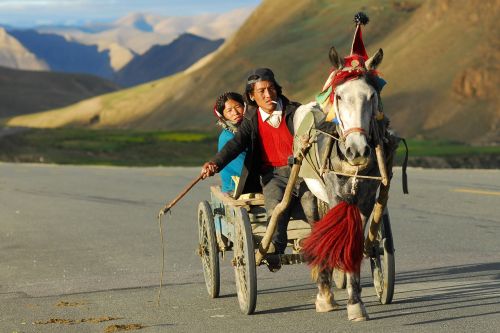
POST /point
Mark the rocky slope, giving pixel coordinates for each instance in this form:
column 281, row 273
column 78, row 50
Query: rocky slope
column 14, row 55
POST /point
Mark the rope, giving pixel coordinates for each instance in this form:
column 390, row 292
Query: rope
column 325, row 133
column 357, row 176
column 162, row 212
column 162, row 259
column 335, row 172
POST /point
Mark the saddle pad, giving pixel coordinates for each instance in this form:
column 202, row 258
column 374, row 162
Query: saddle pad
column 310, row 166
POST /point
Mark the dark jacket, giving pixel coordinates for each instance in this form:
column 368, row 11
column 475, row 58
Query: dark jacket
column 247, row 138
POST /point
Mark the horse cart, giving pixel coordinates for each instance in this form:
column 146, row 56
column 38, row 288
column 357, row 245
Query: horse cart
column 344, row 151
column 226, row 224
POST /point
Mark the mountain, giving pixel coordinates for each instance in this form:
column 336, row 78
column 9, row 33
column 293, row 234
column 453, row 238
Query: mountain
column 14, row 55
column 57, row 53
column 119, row 55
column 24, row 92
column 63, row 55
column 441, row 64
column 161, row 61
column 138, row 32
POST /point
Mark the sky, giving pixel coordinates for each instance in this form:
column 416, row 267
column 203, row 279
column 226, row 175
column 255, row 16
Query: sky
column 29, row 13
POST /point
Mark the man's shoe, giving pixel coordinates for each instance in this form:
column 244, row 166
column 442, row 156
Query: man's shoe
column 272, row 262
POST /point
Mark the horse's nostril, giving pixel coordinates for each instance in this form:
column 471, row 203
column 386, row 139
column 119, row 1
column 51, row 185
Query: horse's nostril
column 348, row 152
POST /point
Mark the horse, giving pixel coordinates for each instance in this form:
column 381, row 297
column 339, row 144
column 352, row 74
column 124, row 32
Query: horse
column 339, row 160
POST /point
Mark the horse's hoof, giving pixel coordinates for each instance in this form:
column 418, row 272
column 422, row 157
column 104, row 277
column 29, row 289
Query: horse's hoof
column 325, row 303
column 357, row 312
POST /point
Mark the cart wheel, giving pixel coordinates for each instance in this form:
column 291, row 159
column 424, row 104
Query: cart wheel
column 382, row 264
column 208, row 249
column 244, row 262
column 339, row 278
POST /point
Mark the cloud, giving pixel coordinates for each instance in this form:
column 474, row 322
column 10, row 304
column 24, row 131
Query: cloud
column 30, row 12
column 27, row 4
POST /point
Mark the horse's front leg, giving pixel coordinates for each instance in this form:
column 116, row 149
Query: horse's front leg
column 356, row 310
column 325, row 301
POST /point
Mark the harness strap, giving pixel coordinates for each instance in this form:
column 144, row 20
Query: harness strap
column 405, row 164
column 354, row 130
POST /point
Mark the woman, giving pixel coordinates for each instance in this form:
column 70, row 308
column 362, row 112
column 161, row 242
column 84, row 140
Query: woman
column 229, row 109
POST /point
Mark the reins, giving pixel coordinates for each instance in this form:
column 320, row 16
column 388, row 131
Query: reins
column 378, row 138
column 341, row 139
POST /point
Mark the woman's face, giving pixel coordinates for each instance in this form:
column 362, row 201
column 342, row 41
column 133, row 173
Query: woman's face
column 233, row 111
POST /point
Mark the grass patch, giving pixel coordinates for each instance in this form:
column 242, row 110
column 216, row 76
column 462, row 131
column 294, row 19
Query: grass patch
column 151, row 148
column 443, row 148
column 108, row 147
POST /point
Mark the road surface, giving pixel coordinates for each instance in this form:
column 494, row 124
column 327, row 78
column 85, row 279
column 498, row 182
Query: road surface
column 80, row 251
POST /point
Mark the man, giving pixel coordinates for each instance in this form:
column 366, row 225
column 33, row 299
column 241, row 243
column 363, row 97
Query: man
column 266, row 133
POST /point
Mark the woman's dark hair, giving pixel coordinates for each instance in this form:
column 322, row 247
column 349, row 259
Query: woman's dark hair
column 222, row 99
column 249, row 88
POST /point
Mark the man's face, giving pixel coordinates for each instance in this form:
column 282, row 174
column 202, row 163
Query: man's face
column 265, row 95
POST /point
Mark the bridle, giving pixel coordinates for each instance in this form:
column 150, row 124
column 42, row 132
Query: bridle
column 343, row 133
column 353, row 130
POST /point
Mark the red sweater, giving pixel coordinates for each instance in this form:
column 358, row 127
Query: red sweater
column 276, row 143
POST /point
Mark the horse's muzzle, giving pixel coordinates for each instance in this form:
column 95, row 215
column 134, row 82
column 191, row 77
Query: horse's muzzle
column 358, row 156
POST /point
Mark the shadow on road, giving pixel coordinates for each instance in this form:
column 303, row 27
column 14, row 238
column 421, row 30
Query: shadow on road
column 464, row 287
column 489, row 271
column 459, row 287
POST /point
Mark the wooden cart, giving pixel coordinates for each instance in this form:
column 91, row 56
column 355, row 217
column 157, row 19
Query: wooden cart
column 226, row 224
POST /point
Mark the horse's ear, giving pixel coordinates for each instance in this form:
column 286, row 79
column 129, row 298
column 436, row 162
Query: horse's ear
column 335, row 59
column 374, row 61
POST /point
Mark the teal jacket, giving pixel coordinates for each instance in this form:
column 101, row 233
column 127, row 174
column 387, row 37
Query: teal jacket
column 234, row 167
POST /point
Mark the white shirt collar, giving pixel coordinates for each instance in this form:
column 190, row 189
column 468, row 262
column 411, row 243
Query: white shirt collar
column 278, row 111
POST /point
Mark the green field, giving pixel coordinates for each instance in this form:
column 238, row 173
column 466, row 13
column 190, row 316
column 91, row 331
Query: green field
column 441, row 148
column 108, row 147
column 151, row 148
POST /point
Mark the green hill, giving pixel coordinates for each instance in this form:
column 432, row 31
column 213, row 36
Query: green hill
column 440, row 62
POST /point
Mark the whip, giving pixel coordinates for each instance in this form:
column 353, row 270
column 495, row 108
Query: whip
column 162, row 212
column 168, row 206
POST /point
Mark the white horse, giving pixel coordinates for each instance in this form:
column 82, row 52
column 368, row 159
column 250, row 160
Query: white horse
column 355, row 104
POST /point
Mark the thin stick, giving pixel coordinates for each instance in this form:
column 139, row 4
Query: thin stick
column 168, row 206
column 277, row 212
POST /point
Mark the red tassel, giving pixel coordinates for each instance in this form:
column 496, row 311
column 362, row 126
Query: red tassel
column 336, row 241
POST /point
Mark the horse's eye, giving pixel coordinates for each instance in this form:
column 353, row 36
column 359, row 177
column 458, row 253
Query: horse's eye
column 339, row 98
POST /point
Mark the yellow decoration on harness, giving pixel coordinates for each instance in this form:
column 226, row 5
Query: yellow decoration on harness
column 331, row 114
column 379, row 116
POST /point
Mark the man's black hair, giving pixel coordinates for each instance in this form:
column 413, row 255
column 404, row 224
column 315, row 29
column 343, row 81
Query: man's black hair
column 260, row 74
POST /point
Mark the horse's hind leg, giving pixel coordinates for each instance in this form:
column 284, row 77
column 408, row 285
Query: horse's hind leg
column 356, row 310
column 324, row 299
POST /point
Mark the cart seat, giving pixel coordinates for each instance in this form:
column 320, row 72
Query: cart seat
column 254, row 204
column 249, row 199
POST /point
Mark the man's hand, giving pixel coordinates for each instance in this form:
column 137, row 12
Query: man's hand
column 208, row 169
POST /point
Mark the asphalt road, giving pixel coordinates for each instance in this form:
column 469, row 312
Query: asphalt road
column 82, row 244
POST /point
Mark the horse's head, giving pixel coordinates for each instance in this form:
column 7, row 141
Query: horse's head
column 345, row 169
column 355, row 103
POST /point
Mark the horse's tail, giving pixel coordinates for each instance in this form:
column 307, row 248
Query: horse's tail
column 336, row 241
